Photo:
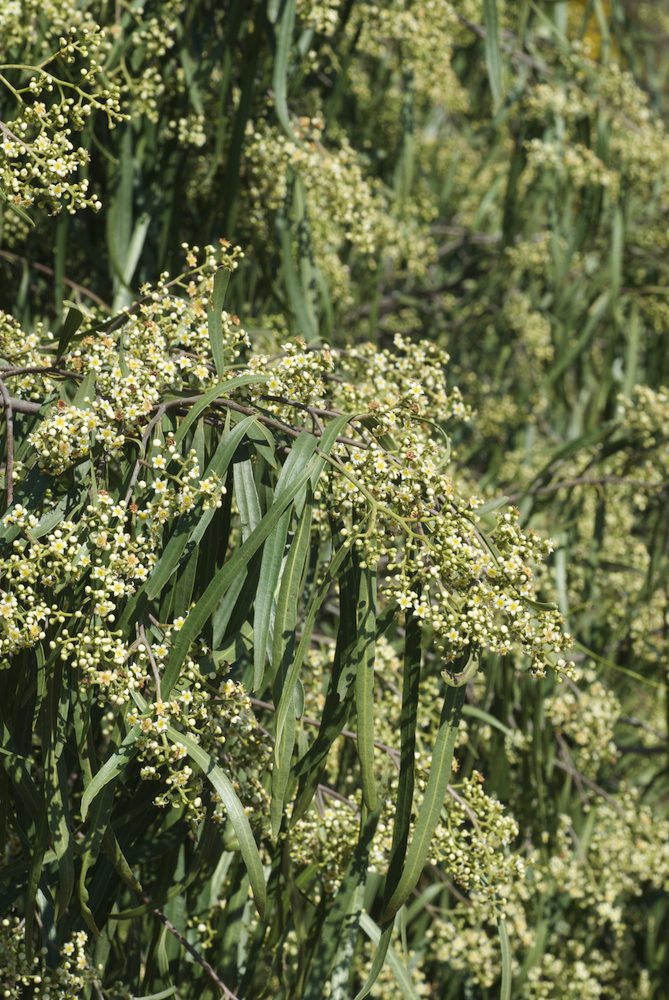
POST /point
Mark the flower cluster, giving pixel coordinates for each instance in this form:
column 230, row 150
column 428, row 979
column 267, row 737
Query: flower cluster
column 471, row 844
column 163, row 346
column 322, row 16
column 19, row 975
column 344, row 207
column 217, row 713
column 132, row 476
column 470, row 583
column 621, row 855
column 466, row 577
column 103, row 554
column 574, row 165
column 586, row 719
column 39, row 162
column 325, row 837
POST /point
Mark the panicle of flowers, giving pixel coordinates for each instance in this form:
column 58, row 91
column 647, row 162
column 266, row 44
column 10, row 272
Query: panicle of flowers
column 162, row 346
column 67, row 981
column 39, row 162
column 217, row 713
column 326, row 837
column 322, row 15
column 99, row 550
column 471, row 844
column 586, row 718
column 469, row 581
column 296, row 375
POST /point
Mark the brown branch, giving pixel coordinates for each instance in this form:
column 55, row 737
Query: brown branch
column 24, row 405
column 10, row 370
column 152, row 660
column 15, row 258
column 193, row 952
column 9, row 425
column 567, row 484
column 566, row 763
column 271, row 422
column 148, row 430
column 346, row 733
column 27, row 406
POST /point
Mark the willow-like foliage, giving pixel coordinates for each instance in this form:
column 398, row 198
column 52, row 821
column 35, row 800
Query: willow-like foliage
column 333, row 541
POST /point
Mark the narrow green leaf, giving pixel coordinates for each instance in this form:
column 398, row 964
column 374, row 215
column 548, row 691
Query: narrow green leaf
column 290, row 681
column 233, row 568
column 338, row 937
column 364, row 684
column 110, row 770
column 505, row 991
column 71, row 324
column 399, row 969
column 493, row 57
column 433, row 801
column 169, row 992
column 379, row 960
column 285, row 22
column 210, row 397
column 235, row 812
column 304, row 320
column 247, row 497
column 285, row 623
column 338, row 698
column 272, row 558
column 403, row 803
column 617, row 250
column 185, row 535
column 477, row 713
column 214, row 322
column 134, row 249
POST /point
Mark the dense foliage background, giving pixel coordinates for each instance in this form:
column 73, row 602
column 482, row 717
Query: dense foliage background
column 296, row 697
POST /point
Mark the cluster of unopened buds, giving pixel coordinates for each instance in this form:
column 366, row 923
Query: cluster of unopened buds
column 219, row 716
column 21, row 976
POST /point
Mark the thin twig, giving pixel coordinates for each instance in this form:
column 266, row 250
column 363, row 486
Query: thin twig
column 7, row 370
column 567, row 484
column 152, row 659
column 566, row 763
column 332, row 793
column 628, row 720
column 346, row 733
column 148, row 430
column 194, row 953
column 15, row 258
column 9, row 425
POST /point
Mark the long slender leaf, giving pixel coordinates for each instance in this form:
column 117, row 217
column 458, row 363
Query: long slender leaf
column 433, row 801
column 234, row 810
column 364, row 684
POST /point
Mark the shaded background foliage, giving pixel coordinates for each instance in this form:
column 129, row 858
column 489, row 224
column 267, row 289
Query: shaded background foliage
column 492, row 177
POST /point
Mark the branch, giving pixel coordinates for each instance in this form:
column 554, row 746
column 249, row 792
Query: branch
column 15, row 258
column 9, row 423
column 346, row 733
column 567, row 484
column 194, row 953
